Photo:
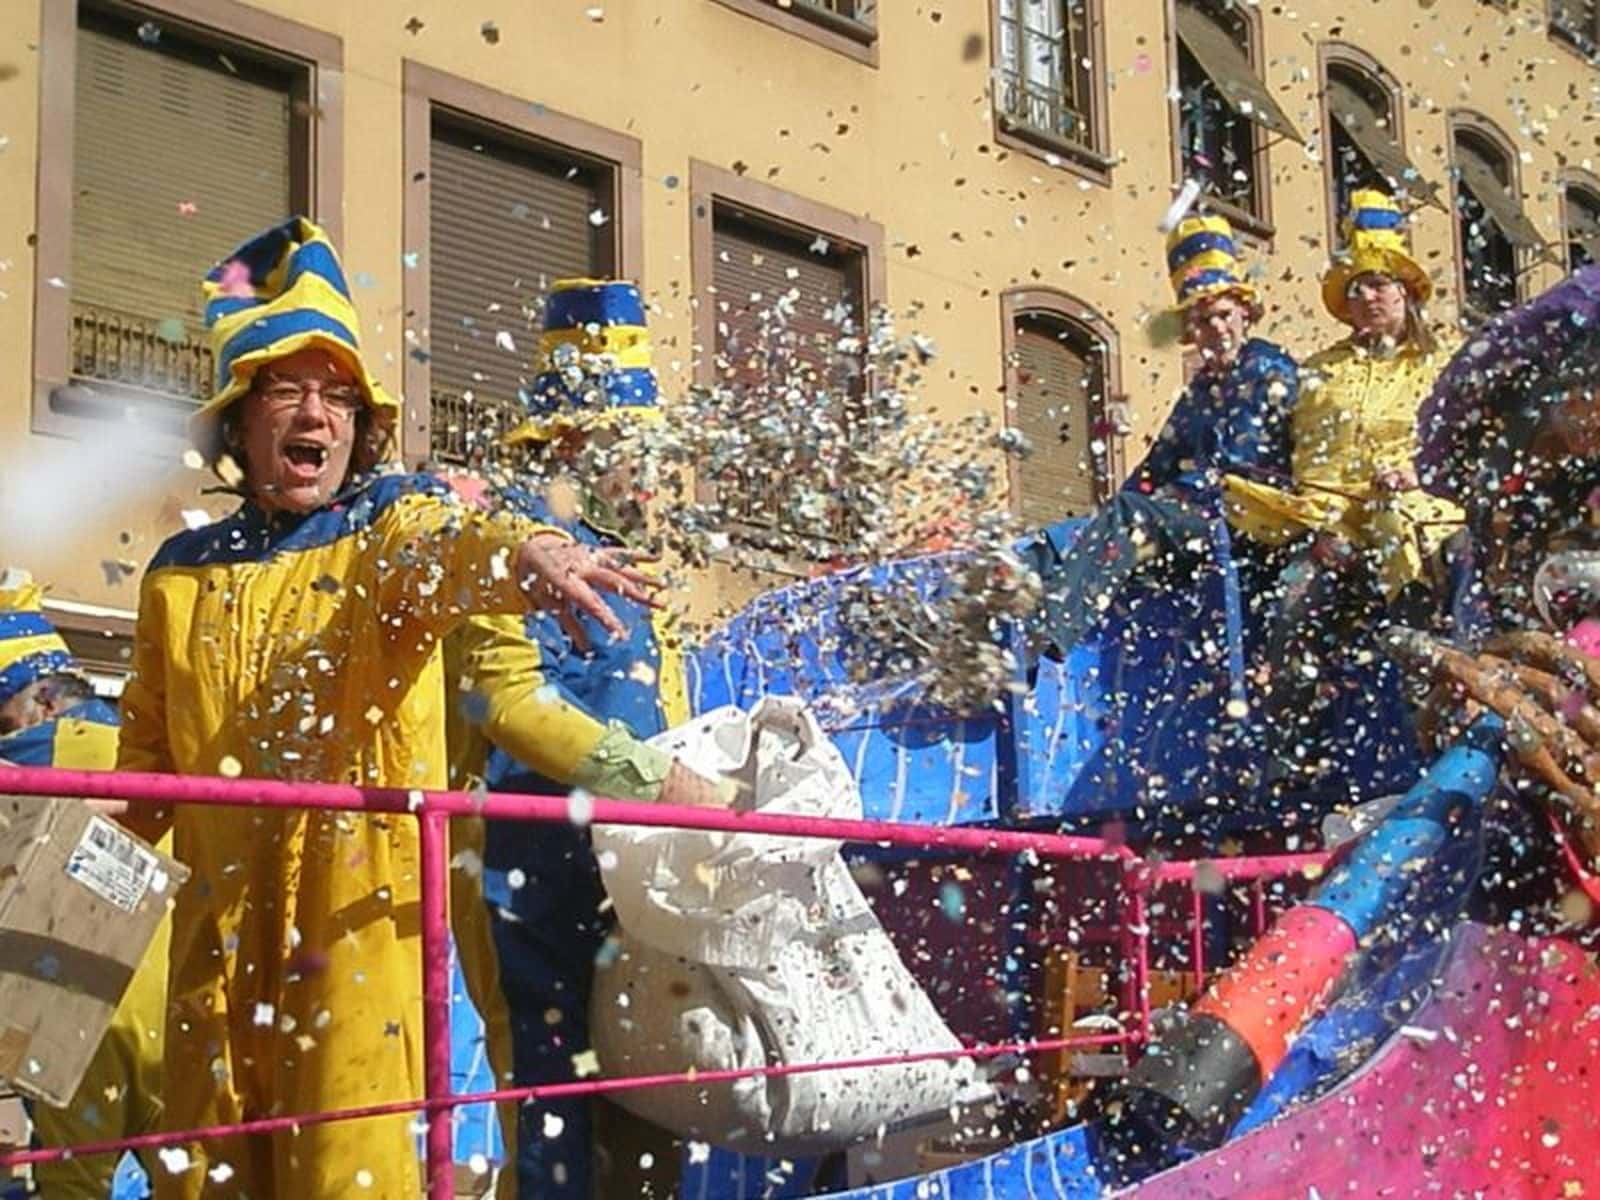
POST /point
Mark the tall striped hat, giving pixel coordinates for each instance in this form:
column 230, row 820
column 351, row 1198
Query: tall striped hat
column 595, row 361
column 281, row 292
column 1374, row 243
column 1203, row 260
column 30, row 647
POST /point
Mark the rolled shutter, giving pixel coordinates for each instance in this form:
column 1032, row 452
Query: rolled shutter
column 1058, row 393
column 754, row 268
column 506, row 221
column 180, row 153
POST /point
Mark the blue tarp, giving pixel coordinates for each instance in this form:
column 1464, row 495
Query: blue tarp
column 1133, row 721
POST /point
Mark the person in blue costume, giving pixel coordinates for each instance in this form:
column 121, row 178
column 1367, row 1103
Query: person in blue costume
column 543, row 710
column 1232, row 419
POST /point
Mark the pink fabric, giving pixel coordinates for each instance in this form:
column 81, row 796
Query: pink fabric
column 1493, row 1095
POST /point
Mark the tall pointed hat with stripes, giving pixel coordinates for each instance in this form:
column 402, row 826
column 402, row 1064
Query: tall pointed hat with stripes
column 595, row 362
column 1374, row 243
column 1203, row 260
column 30, row 647
column 281, row 292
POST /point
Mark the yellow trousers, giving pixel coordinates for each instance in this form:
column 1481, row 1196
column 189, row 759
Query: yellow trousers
column 296, row 988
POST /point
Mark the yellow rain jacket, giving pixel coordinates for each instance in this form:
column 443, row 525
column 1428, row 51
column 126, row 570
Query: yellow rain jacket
column 121, row 1093
column 1357, row 415
column 304, row 648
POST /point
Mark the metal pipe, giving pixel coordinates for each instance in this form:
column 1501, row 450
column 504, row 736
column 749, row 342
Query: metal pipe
column 546, row 1091
column 149, row 789
column 1246, row 866
column 435, row 882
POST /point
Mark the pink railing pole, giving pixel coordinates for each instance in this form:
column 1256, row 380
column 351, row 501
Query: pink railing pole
column 1140, row 916
column 1246, row 866
column 435, row 833
column 1197, row 913
column 580, row 1087
column 1135, row 990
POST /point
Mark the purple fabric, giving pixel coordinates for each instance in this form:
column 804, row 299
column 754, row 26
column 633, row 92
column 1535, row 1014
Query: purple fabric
column 1501, row 361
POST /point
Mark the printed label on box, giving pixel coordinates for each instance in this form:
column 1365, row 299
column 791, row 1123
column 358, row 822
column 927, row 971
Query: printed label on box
column 112, row 865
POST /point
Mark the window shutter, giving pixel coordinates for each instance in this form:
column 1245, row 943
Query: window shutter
column 1229, row 69
column 1058, row 394
column 1583, row 222
column 1366, row 126
column 754, row 269
column 506, row 223
column 176, row 160
column 1478, row 175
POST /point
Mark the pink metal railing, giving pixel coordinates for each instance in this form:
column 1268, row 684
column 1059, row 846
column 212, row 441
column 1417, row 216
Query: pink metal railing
column 433, row 810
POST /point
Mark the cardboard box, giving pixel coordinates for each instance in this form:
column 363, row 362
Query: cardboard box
column 80, row 899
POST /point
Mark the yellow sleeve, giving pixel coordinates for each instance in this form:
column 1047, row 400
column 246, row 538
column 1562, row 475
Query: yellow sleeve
column 84, row 745
column 142, row 743
column 440, row 560
column 506, row 688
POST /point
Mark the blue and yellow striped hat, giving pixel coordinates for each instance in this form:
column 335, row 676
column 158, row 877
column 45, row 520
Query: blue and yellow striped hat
column 1203, row 260
column 1374, row 242
column 30, row 647
column 595, row 358
column 281, row 292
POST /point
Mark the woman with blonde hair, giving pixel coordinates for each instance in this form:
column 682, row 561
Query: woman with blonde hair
column 1374, row 534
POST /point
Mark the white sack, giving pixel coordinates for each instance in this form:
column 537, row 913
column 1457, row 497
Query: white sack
column 739, row 950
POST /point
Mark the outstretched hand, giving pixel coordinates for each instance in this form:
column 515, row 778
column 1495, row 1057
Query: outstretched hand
column 561, row 576
column 1547, row 693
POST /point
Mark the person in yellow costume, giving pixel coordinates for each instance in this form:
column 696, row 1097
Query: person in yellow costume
column 50, row 717
column 1375, row 533
column 537, row 712
column 299, row 638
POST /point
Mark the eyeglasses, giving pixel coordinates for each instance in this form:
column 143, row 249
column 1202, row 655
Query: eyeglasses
column 342, row 399
column 1372, row 285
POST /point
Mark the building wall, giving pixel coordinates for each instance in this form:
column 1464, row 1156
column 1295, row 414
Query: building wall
column 908, row 143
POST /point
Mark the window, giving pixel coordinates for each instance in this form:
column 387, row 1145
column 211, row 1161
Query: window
column 847, row 26
column 1061, row 363
column 785, row 285
column 505, row 222
column 1050, row 79
column 184, row 144
column 1224, row 109
column 1576, row 22
column 1493, row 234
column 1580, row 218
column 502, row 202
column 1365, row 142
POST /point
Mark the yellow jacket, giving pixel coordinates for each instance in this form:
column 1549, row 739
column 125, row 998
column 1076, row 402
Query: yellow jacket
column 1357, row 416
column 305, row 648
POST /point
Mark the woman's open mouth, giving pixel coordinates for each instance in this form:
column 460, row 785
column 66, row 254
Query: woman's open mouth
column 307, row 458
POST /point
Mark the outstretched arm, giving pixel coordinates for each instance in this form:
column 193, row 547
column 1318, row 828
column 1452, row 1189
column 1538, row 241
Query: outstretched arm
column 441, row 559
column 508, row 689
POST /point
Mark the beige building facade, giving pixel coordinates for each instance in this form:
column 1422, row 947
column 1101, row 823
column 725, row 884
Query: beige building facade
column 993, row 171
